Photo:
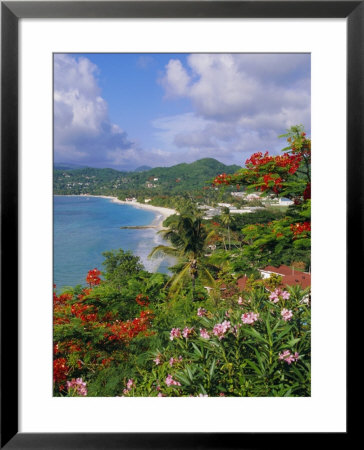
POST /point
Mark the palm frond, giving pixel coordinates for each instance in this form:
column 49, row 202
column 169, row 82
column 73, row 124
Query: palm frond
column 206, row 276
column 177, row 280
column 164, row 250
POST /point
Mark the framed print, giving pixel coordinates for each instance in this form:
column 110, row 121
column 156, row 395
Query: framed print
column 155, row 125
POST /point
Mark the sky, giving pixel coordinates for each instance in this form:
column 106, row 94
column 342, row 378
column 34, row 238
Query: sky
column 124, row 111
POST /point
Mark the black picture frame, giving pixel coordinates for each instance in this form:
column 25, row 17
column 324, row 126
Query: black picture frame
column 11, row 12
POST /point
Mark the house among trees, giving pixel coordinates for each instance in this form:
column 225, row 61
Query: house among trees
column 290, row 277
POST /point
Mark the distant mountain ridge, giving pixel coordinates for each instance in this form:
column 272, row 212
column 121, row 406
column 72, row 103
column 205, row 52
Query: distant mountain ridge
column 67, row 166
column 142, row 168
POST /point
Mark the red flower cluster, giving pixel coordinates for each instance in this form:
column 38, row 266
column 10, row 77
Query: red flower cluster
column 69, row 347
column 142, row 300
column 69, row 355
column 222, row 179
column 107, row 361
column 125, row 331
column 291, row 161
column 60, row 370
column 258, row 159
column 299, row 228
column 79, row 310
column 93, row 277
column 85, row 292
column 307, row 192
column 271, row 181
column 62, row 299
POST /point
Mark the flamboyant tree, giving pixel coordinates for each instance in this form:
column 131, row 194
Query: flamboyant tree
column 285, row 175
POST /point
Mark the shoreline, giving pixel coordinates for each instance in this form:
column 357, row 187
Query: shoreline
column 157, row 221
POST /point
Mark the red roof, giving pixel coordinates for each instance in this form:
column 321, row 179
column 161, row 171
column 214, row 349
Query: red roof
column 290, row 277
column 242, row 282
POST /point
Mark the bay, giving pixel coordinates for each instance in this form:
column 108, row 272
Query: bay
column 84, row 227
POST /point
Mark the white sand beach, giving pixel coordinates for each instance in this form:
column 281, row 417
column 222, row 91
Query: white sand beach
column 164, row 212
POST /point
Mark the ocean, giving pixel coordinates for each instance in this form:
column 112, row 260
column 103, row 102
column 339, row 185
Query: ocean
column 84, row 227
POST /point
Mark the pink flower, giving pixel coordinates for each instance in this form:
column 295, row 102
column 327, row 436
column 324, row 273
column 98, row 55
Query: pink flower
column 175, row 333
column 126, row 391
column 220, row 329
column 287, row 357
column 286, row 314
column 204, row 334
column 77, row 386
column 171, row 382
column 157, row 360
column 249, row 318
column 160, row 394
column 284, row 355
column 171, row 361
column 201, row 312
column 130, row 384
column 186, row 332
column 274, row 296
column 240, row 301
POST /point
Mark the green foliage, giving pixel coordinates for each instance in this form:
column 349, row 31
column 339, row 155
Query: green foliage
column 245, row 361
column 120, row 264
column 189, row 239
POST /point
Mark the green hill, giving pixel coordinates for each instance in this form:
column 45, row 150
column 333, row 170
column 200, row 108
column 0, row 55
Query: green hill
column 175, row 180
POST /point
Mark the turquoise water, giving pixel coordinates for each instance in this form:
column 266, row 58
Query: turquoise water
column 84, row 227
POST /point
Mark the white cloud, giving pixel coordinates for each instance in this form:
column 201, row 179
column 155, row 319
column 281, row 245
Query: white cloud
column 176, row 79
column 226, row 86
column 82, row 128
column 240, row 102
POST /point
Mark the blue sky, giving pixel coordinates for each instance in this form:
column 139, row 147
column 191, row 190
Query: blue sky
column 127, row 110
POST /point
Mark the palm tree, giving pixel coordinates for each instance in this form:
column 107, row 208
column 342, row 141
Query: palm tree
column 227, row 219
column 189, row 239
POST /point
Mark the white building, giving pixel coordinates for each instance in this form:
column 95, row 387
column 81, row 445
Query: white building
column 251, row 197
column 285, row 201
column 241, row 211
